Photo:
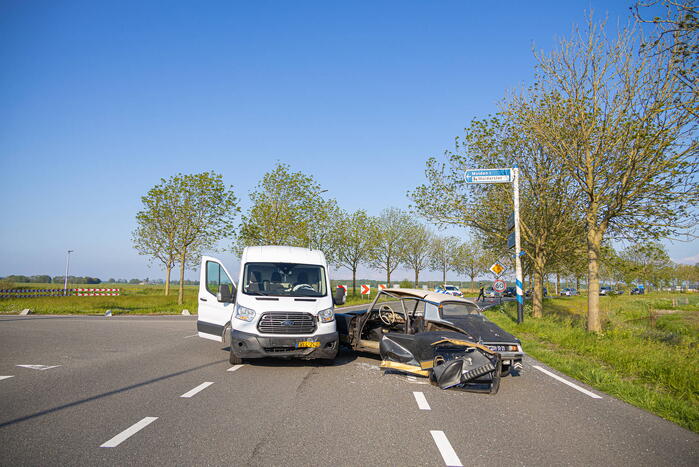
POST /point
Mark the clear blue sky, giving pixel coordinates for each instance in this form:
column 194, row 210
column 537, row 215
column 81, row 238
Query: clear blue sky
column 99, row 100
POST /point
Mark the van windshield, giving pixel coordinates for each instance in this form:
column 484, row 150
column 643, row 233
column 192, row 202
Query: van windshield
column 284, row 280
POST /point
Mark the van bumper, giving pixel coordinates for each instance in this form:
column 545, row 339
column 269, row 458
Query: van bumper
column 245, row 345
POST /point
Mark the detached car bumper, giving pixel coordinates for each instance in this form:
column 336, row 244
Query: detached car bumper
column 245, row 345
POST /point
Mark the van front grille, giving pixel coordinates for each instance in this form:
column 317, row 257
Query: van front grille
column 287, row 322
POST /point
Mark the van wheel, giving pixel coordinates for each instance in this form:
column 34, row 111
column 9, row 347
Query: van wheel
column 233, row 359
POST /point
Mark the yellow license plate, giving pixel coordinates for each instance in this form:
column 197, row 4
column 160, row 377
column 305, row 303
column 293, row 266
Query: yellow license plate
column 308, row 344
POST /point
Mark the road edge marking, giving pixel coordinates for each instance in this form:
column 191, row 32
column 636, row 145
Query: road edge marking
column 199, row 388
column 448, row 454
column 235, row 367
column 421, row 400
column 565, row 381
column 5, row 377
column 127, row 433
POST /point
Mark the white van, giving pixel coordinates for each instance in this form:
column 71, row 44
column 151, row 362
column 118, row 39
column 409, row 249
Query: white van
column 283, row 305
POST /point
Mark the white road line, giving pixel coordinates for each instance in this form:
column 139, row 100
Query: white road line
column 421, row 401
column 235, row 367
column 201, row 387
column 130, row 431
column 5, row 377
column 572, row 385
column 38, row 367
column 445, row 449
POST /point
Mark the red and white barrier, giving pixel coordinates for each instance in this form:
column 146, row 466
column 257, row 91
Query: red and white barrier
column 94, row 292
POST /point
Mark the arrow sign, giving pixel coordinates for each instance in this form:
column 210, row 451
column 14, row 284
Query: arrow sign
column 366, row 290
column 488, row 176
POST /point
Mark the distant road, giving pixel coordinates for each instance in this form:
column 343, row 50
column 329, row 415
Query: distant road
column 147, row 391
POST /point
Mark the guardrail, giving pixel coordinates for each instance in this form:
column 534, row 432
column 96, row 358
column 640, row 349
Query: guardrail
column 32, row 293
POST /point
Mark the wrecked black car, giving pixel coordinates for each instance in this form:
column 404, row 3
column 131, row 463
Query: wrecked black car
column 442, row 337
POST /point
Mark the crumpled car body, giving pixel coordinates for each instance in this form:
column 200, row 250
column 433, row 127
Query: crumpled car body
column 444, row 338
column 444, row 357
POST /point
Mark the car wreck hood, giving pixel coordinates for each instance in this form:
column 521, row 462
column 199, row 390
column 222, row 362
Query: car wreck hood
column 480, row 329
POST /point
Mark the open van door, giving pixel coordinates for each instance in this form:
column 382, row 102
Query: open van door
column 216, row 299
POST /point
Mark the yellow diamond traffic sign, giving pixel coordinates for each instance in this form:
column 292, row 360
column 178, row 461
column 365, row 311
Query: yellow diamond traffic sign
column 497, row 268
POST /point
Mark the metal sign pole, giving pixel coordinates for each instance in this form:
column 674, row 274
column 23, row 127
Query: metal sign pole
column 518, row 259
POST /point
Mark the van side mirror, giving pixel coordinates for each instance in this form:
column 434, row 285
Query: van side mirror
column 339, row 297
column 224, row 294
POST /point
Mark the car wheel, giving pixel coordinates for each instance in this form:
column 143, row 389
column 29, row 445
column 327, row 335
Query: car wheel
column 505, row 370
column 233, row 359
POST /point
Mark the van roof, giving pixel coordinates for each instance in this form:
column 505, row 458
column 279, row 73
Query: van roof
column 282, row 254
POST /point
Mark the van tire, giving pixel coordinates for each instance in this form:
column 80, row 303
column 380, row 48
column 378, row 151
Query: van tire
column 233, row 359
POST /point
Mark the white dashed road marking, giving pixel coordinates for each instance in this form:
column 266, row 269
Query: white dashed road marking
column 5, row 377
column 572, row 385
column 445, row 449
column 38, row 367
column 235, row 367
column 421, row 401
column 124, row 435
column 201, row 387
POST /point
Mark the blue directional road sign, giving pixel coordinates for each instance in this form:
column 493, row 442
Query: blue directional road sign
column 488, row 176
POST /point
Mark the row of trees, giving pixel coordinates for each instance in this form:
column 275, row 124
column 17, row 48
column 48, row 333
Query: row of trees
column 46, row 279
column 605, row 140
column 289, row 208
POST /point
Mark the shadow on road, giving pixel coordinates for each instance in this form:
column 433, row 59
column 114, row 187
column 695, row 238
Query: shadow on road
column 105, row 394
column 344, row 357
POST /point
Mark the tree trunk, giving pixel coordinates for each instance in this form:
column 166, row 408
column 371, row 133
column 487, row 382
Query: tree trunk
column 354, row 281
column 558, row 283
column 538, row 294
column 594, row 240
column 180, row 294
column 444, row 276
column 388, row 278
column 168, row 270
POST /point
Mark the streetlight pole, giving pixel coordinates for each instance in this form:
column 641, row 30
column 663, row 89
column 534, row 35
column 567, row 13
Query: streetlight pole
column 309, row 220
column 65, row 279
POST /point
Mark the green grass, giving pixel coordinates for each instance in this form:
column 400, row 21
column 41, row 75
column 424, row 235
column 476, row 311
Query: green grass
column 134, row 299
column 650, row 363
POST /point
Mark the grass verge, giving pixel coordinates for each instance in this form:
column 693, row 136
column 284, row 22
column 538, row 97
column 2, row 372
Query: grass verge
column 133, row 299
column 649, row 363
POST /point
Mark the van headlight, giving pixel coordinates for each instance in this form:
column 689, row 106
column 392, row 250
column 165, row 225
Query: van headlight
column 326, row 316
column 244, row 314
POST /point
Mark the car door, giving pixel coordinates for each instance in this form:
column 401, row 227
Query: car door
column 214, row 315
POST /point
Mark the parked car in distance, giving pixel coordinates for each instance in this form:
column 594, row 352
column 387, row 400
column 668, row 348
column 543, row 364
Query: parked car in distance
column 638, row 291
column 449, row 290
column 491, row 293
column 528, row 293
column 510, row 292
column 606, row 290
column 569, row 292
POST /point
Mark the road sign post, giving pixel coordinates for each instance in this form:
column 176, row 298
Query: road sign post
column 506, row 176
column 518, row 247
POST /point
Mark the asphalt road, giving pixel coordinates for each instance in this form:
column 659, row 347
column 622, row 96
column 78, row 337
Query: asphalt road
column 119, row 382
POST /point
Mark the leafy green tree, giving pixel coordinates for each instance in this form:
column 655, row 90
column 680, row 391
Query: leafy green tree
column 182, row 216
column 610, row 119
column 353, row 239
column 287, row 209
column 204, row 211
column 444, row 254
column 471, row 260
column 417, row 248
column 548, row 207
column 157, row 226
column 390, row 234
